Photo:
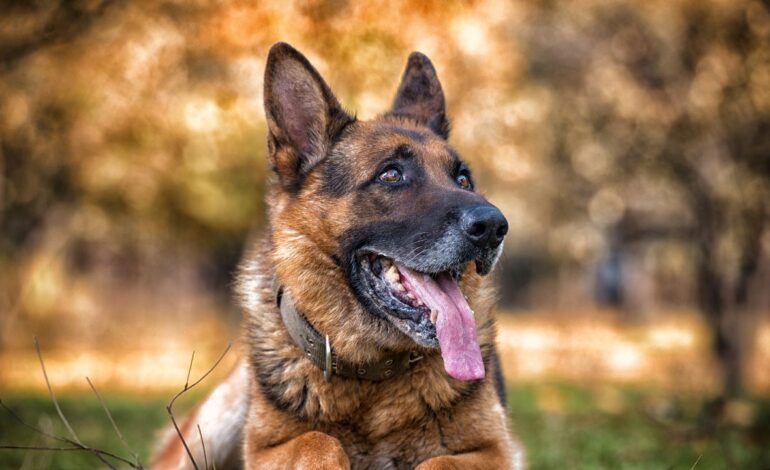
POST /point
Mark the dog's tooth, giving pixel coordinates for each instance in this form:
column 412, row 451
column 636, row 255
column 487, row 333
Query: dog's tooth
column 433, row 315
column 410, row 296
column 392, row 274
column 399, row 287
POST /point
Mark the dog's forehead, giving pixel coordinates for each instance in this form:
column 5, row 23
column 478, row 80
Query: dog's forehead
column 377, row 141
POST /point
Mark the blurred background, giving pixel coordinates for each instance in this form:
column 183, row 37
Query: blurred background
column 627, row 142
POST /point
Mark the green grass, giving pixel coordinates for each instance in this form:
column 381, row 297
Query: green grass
column 561, row 426
column 138, row 418
column 569, row 426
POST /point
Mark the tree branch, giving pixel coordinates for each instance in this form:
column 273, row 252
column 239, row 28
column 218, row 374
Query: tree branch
column 114, row 425
column 187, row 386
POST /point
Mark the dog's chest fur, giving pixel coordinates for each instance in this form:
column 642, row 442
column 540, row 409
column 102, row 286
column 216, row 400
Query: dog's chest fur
column 396, row 423
column 380, row 425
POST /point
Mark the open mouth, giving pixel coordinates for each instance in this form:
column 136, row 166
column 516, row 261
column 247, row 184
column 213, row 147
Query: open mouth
column 428, row 307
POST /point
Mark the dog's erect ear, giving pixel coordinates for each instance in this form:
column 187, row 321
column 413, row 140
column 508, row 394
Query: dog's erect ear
column 303, row 116
column 420, row 97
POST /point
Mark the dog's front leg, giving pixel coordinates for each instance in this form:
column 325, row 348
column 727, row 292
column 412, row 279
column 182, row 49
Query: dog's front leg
column 486, row 458
column 312, row 450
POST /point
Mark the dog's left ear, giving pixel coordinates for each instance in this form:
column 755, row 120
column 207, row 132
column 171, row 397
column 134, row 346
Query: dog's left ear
column 420, row 96
column 303, row 116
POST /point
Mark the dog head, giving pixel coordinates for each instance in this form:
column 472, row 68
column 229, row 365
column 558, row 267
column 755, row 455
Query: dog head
column 376, row 226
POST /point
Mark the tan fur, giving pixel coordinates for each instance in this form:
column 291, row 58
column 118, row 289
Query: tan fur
column 296, row 419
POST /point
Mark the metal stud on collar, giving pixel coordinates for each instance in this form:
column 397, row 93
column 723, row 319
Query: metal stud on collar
column 328, row 361
column 414, row 356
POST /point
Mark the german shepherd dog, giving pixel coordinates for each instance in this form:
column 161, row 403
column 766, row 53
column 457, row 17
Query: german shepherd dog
column 368, row 327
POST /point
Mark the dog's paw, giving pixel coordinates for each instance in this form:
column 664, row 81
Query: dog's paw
column 443, row 462
column 318, row 451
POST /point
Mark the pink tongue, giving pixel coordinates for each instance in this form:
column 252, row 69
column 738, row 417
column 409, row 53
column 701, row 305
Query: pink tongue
column 455, row 325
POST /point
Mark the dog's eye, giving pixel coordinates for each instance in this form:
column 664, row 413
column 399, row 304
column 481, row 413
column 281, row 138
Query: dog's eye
column 391, row 175
column 464, row 181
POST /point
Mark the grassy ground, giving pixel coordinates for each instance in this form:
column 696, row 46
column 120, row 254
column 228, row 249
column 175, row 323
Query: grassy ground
column 561, row 426
column 567, row 426
column 138, row 419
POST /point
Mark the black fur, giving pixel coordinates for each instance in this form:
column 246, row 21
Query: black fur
column 499, row 378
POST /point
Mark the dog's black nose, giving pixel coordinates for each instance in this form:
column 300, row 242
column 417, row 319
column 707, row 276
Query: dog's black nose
column 484, row 225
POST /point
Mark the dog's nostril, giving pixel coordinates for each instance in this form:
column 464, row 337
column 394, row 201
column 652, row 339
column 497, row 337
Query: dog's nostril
column 484, row 225
column 477, row 229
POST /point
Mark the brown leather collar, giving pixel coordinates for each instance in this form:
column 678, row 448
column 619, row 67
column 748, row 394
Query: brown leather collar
column 318, row 349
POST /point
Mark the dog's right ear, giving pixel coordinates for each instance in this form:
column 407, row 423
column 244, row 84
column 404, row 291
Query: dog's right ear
column 420, row 96
column 303, row 116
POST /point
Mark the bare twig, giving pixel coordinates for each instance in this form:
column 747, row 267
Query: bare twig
column 187, row 386
column 100, row 453
column 189, row 369
column 24, row 423
column 58, row 408
column 8, row 447
column 53, row 395
column 173, row 420
column 75, row 443
column 114, row 425
column 203, row 444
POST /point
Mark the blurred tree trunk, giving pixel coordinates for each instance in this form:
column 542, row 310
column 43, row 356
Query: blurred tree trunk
column 724, row 301
column 740, row 319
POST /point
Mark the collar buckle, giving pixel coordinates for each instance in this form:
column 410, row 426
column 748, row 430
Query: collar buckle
column 318, row 348
column 327, row 359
